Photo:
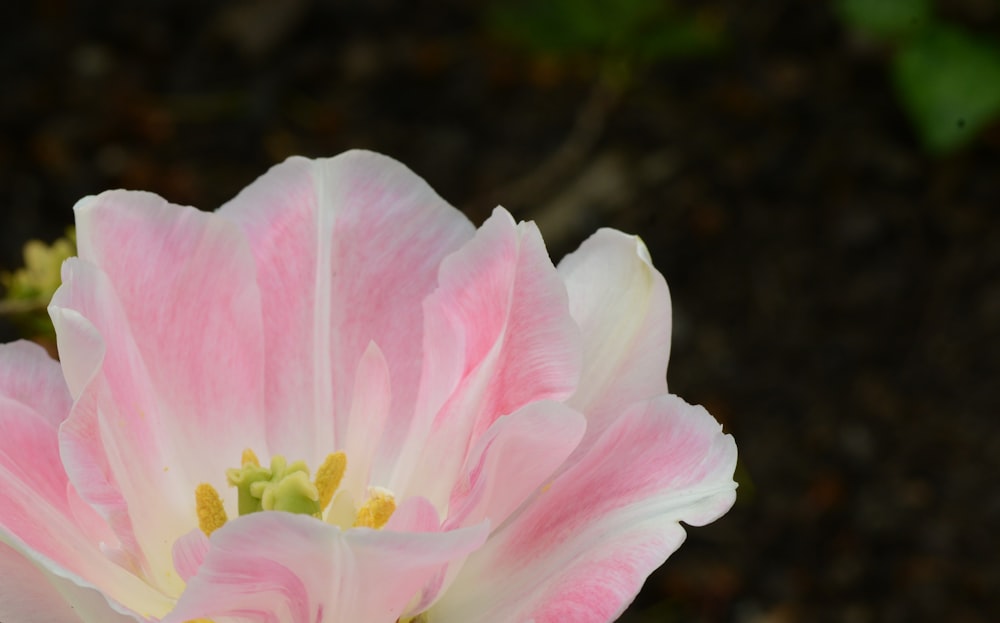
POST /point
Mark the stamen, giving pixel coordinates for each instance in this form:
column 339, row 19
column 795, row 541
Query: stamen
column 249, row 458
column 328, row 477
column 211, row 513
column 376, row 512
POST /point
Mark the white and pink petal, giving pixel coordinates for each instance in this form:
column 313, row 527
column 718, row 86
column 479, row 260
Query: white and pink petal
column 286, row 568
column 158, row 325
column 32, row 595
column 346, row 248
column 622, row 305
column 39, row 513
column 585, row 545
column 498, row 336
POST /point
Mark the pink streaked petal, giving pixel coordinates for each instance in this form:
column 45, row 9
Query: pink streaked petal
column 38, row 517
column 33, row 505
column 185, row 281
column 115, row 445
column 30, row 376
column 623, row 308
column 346, row 249
column 90, row 522
column 414, row 514
column 41, row 529
column 31, row 595
column 501, row 311
column 294, row 569
column 159, row 326
column 583, row 548
column 189, row 552
column 417, row 514
column 513, row 458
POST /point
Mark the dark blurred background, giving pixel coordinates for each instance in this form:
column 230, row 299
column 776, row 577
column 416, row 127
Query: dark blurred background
column 819, row 185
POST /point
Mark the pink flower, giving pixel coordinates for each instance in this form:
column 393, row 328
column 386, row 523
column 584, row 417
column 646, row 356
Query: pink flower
column 334, row 399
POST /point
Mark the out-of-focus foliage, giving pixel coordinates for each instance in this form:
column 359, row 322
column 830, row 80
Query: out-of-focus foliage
column 28, row 290
column 950, row 85
column 630, row 30
column 947, row 78
column 886, row 18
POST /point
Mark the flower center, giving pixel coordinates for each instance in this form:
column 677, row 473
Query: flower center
column 285, row 486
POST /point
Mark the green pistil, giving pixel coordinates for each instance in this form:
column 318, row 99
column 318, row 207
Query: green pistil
column 282, row 487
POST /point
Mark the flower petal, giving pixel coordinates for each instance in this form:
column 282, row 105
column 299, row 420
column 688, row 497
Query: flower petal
column 582, row 550
column 294, row 569
column 512, row 459
column 186, row 282
column 158, row 323
column 498, row 336
column 189, row 552
column 370, row 404
column 30, row 376
column 623, row 308
column 32, row 595
column 346, row 249
column 37, row 517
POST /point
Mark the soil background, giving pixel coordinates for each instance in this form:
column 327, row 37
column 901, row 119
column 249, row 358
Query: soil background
column 836, row 290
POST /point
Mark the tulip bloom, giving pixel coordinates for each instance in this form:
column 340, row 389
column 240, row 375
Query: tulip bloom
column 334, row 399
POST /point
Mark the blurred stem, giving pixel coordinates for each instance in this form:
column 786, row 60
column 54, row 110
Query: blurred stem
column 573, row 151
column 12, row 307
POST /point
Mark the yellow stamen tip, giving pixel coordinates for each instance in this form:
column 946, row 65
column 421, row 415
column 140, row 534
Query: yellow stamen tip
column 249, row 458
column 211, row 513
column 328, row 477
column 376, row 512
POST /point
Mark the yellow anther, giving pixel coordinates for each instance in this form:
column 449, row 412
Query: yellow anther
column 376, row 512
column 249, row 458
column 200, row 621
column 211, row 513
column 328, row 477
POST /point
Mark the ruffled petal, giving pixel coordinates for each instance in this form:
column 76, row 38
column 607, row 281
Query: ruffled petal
column 498, row 336
column 583, row 548
column 507, row 465
column 286, row 568
column 37, row 515
column 346, row 249
column 517, row 455
column 622, row 305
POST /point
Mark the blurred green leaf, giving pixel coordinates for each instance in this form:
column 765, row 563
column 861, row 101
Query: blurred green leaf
column 645, row 30
column 886, row 18
column 950, row 85
column 680, row 36
column 28, row 290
